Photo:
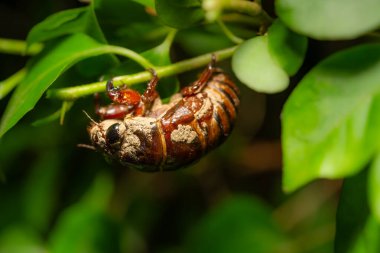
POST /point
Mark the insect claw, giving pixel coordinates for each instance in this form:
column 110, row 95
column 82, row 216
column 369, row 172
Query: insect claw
column 153, row 72
column 213, row 61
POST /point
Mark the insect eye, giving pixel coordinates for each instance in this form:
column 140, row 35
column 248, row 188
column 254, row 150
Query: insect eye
column 112, row 134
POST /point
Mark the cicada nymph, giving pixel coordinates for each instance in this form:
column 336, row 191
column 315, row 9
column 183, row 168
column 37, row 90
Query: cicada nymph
column 140, row 132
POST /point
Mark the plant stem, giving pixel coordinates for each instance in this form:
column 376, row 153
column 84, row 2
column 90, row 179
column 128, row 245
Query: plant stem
column 8, row 84
column 246, row 7
column 249, row 8
column 170, row 38
column 157, row 34
column 129, row 54
column 240, row 18
column 18, row 47
column 228, row 33
column 66, row 105
column 72, row 93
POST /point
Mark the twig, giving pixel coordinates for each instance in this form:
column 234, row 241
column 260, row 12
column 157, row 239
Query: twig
column 18, row 47
column 73, row 93
column 8, row 84
column 249, row 8
column 228, row 33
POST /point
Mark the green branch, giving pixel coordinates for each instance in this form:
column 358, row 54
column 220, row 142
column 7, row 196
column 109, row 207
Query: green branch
column 246, row 7
column 73, row 93
column 235, row 39
column 8, row 84
column 249, row 8
column 18, row 47
column 241, row 19
column 128, row 54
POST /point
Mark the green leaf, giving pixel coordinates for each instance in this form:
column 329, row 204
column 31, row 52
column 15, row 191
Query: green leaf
column 79, row 20
column 374, row 188
column 40, row 192
column 11, row 82
column 331, row 20
column 207, row 38
column 286, row 47
column 331, row 120
column 20, row 239
column 357, row 230
column 240, row 224
column 60, row 114
column 146, row 3
column 179, row 14
column 83, row 230
column 126, row 23
column 116, row 13
column 254, row 66
column 158, row 56
column 44, row 72
column 85, row 227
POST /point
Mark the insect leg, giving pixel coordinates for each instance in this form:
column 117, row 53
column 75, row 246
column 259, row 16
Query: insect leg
column 122, row 96
column 150, row 93
column 198, row 85
column 116, row 110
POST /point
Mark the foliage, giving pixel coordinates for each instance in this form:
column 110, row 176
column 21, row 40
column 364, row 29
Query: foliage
column 330, row 125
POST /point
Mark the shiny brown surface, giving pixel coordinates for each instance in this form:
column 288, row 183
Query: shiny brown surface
column 174, row 135
column 211, row 129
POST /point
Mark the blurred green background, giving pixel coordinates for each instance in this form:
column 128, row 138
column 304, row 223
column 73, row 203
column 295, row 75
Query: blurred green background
column 56, row 197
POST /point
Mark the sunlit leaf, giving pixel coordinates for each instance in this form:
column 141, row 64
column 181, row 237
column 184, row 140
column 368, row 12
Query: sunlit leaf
column 374, row 188
column 326, row 19
column 286, row 47
column 179, row 14
column 357, row 230
column 240, row 224
column 71, row 50
column 331, row 120
column 254, row 66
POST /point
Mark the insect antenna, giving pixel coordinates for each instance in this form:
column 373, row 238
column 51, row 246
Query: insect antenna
column 86, row 146
column 88, row 116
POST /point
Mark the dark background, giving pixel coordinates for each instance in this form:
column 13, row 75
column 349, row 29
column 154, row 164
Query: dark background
column 43, row 172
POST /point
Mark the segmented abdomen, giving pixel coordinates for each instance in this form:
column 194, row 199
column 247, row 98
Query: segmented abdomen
column 198, row 123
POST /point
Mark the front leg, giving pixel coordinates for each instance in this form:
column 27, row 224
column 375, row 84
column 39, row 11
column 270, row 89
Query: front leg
column 112, row 111
column 127, row 101
column 122, row 96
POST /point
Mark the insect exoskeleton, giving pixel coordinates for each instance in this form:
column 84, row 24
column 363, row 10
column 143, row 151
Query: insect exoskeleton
column 150, row 136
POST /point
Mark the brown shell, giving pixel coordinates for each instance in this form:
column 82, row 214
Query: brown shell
column 179, row 133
